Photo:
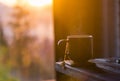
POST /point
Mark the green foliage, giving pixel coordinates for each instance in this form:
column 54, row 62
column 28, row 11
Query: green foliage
column 5, row 69
column 5, row 74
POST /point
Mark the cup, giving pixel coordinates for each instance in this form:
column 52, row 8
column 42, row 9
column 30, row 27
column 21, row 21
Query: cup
column 79, row 48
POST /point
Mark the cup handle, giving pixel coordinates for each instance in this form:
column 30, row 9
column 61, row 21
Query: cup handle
column 67, row 59
column 60, row 41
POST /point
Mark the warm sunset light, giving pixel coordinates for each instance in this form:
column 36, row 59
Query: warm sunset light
column 39, row 3
column 34, row 3
column 8, row 2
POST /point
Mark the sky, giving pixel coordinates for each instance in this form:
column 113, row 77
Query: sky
column 37, row 3
column 8, row 2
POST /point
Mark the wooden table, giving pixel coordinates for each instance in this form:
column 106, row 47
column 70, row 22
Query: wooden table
column 83, row 73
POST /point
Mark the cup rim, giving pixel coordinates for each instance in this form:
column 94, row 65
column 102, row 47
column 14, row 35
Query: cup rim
column 79, row 36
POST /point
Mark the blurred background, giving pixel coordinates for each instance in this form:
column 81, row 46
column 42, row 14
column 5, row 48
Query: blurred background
column 28, row 34
column 26, row 40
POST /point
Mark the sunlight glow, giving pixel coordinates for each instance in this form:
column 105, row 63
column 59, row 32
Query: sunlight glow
column 33, row 3
column 39, row 3
column 8, row 2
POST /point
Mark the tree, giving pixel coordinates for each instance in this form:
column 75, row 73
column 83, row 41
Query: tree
column 20, row 24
